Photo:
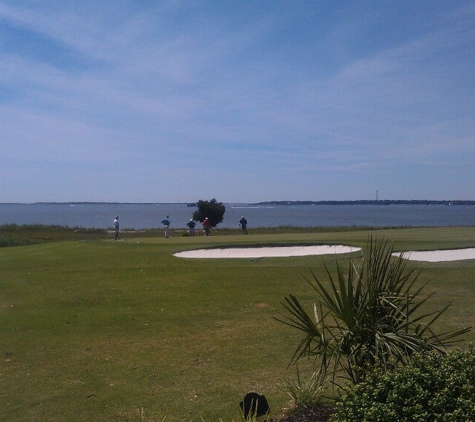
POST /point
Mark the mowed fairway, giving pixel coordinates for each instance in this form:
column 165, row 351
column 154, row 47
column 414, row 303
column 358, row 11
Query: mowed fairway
column 96, row 330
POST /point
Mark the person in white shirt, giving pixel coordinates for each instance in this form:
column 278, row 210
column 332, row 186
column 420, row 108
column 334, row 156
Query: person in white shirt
column 116, row 227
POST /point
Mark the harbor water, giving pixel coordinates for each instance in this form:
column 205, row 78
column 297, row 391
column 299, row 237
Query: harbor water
column 144, row 216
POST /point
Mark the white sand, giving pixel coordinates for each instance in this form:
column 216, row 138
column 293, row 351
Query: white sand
column 440, row 256
column 277, row 251
column 269, row 252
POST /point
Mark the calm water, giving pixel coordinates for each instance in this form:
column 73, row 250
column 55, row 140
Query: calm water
column 140, row 216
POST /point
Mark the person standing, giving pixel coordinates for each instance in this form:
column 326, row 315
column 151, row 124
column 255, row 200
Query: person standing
column 191, row 227
column 166, row 224
column 116, row 227
column 206, row 226
column 243, row 223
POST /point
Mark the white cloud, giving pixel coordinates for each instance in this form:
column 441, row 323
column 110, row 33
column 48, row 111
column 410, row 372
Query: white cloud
column 242, row 95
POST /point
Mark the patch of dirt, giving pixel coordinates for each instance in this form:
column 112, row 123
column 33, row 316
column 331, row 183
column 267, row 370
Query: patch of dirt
column 310, row 414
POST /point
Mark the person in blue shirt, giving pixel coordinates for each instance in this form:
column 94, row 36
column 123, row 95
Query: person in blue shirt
column 166, row 224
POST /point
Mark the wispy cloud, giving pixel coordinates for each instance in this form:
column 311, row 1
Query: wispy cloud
column 319, row 93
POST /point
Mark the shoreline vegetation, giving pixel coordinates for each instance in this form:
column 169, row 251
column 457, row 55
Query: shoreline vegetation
column 32, row 234
column 371, row 202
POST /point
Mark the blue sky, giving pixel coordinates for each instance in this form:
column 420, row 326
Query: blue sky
column 242, row 101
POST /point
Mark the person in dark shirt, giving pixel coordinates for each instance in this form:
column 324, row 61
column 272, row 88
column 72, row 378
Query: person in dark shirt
column 191, row 227
column 243, row 223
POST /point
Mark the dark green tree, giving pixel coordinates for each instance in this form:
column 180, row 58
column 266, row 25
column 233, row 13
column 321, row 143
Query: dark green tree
column 213, row 209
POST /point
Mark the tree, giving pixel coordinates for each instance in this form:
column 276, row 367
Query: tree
column 369, row 316
column 213, row 209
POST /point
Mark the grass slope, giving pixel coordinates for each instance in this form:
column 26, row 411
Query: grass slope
column 97, row 329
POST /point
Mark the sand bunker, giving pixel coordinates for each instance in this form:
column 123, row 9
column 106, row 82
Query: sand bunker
column 268, row 252
column 440, row 256
column 287, row 251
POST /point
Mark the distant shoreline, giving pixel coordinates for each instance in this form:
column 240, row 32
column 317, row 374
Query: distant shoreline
column 353, row 202
column 371, row 202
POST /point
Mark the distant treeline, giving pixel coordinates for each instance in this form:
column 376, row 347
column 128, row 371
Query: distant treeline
column 370, row 202
column 358, row 202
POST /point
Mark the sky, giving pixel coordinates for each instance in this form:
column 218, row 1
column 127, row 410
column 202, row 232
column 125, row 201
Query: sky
column 242, row 101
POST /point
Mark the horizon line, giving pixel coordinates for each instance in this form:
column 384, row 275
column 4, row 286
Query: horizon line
column 277, row 202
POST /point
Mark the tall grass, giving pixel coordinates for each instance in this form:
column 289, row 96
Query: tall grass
column 20, row 235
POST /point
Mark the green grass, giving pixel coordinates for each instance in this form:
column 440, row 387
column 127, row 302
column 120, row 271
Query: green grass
column 96, row 329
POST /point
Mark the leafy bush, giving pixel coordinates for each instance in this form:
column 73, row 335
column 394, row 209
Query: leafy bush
column 432, row 387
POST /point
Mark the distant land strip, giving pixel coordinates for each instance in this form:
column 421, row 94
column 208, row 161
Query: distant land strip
column 356, row 202
column 371, row 202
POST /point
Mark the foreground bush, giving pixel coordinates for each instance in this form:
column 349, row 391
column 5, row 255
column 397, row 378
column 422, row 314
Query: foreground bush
column 431, row 387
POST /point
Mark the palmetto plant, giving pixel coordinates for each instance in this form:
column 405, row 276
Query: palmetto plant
column 371, row 314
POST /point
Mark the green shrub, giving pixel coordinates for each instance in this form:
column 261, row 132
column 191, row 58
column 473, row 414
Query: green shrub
column 432, row 387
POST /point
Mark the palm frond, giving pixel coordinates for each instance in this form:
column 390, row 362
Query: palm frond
column 369, row 313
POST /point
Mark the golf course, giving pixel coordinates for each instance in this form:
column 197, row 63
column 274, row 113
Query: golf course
column 94, row 329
